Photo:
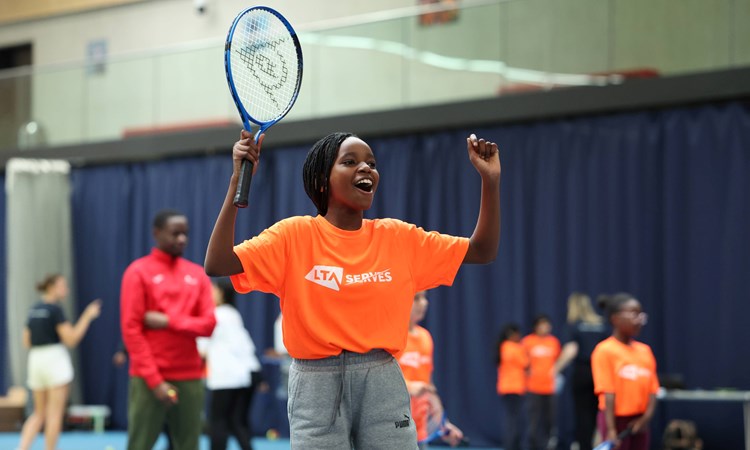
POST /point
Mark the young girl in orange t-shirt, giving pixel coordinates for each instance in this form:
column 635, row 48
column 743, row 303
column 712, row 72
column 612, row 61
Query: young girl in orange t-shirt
column 345, row 286
column 543, row 349
column 624, row 373
column 511, row 383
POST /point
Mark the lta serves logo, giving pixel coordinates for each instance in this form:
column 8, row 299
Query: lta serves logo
column 332, row 277
column 326, row 276
column 633, row 372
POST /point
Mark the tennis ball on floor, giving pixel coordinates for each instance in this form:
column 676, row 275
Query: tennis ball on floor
column 272, row 434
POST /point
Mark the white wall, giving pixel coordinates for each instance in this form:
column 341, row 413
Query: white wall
column 184, row 87
column 138, row 91
column 159, row 23
column 374, row 66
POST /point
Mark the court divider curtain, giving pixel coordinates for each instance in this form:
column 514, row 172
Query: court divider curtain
column 4, row 366
column 653, row 203
column 38, row 243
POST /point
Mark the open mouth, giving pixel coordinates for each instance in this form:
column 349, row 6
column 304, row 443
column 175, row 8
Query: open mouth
column 364, row 185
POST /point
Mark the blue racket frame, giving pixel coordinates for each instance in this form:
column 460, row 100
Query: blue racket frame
column 609, row 445
column 440, row 432
column 243, row 187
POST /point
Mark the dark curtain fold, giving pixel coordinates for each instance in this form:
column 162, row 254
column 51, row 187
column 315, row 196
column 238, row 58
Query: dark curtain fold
column 653, row 203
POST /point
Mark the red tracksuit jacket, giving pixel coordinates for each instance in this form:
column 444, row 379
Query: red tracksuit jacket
column 180, row 289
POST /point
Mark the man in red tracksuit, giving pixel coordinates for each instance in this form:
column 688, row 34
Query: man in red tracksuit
column 165, row 304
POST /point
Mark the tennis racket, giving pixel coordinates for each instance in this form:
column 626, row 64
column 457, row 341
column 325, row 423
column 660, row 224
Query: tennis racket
column 609, row 445
column 263, row 62
column 437, row 422
column 436, row 418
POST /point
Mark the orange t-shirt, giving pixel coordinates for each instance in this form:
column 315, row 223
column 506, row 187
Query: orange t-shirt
column 416, row 357
column 628, row 371
column 511, row 374
column 341, row 289
column 416, row 364
column 543, row 352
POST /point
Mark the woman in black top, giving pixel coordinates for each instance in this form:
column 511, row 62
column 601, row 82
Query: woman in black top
column 50, row 371
column 585, row 329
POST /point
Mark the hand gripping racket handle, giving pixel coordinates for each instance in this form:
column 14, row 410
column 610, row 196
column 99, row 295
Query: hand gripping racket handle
column 243, row 184
column 246, row 176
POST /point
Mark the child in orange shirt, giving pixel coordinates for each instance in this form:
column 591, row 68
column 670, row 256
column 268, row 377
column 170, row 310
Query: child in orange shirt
column 346, row 285
column 416, row 364
column 543, row 350
column 511, row 382
column 624, row 373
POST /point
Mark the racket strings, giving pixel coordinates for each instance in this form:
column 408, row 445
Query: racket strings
column 265, row 65
column 435, row 417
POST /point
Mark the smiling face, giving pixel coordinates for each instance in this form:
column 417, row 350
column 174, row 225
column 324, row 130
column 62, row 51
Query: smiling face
column 353, row 179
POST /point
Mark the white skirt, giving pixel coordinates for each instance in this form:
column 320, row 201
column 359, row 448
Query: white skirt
column 49, row 366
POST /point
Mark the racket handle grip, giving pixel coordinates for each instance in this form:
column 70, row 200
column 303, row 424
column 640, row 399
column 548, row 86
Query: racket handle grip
column 243, row 184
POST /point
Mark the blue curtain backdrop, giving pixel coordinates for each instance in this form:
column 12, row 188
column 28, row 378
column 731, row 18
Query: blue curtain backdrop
column 654, row 203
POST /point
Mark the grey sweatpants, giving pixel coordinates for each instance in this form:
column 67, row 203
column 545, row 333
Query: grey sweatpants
column 349, row 401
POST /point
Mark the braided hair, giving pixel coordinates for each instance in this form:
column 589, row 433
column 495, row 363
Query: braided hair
column 317, row 168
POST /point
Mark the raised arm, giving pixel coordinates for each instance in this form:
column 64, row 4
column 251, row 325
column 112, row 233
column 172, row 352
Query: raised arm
column 220, row 258
column 484, row 241
column 71, row 335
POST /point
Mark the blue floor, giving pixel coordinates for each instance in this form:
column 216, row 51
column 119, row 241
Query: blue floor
column 115, row 440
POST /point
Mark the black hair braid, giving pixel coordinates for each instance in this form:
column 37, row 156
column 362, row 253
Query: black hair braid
column 317, row 168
